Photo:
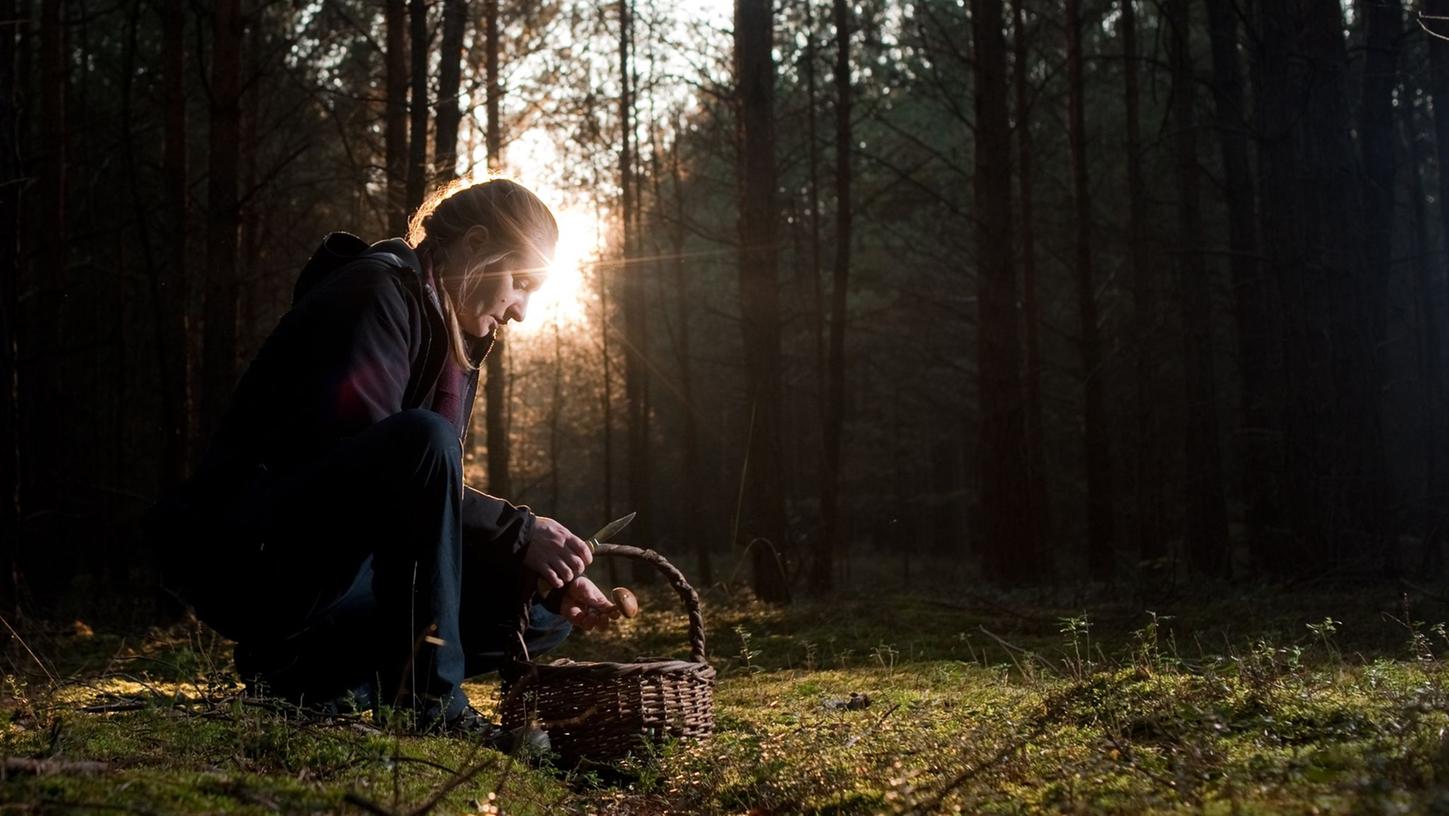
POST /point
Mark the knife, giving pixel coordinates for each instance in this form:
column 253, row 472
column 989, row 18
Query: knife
column 605, row 533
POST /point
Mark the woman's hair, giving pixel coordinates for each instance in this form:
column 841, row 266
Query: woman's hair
column 516, row 221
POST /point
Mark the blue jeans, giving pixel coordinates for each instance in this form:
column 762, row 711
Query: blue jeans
column 378, row 573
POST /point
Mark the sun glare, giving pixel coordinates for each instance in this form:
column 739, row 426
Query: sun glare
column 563, row 298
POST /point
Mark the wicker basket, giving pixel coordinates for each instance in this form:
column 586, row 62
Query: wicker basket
column 603, row 711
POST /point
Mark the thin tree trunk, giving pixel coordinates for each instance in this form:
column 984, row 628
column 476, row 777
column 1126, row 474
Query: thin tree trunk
column 1002, row 466
column 1149, row 540
column 830, row 538
column 495, row 385
column 395, row 117
column 1100, row 553
column 1428, row 300
column 1259, row 474
column 450, row 63
column 636, row 373
column 10, row 174
column 1439, row 93
column 764, row 509
column 417, row 174
column 222, row 222
column 169, row 284
column 1038, row 521
column 1382, row 20
column 693, row 469
column 44, row 381
column 1206, row 520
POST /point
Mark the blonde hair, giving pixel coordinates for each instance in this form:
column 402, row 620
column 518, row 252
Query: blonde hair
column 516, row 221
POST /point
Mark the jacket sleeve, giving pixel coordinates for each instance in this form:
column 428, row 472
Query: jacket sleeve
column 494, row 524
column 364, row 329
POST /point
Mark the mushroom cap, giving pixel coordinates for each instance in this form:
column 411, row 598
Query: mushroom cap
column 625, row 600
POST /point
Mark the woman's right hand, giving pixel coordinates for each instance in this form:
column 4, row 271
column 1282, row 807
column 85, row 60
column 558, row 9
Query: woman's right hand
column 555, row 554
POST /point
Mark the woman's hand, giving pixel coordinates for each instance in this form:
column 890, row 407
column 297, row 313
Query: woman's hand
column 557, row 555
column 586, row 607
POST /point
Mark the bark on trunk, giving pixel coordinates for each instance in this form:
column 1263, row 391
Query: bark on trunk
column 395, row 117
column 1002, row 468
column 450, row 63
column 169, row 297
column 835, row 401
column 1206, row 517
column 1038, row 521
column 10, row 174
column 1148, row 528
column 1100, row 532
column 222, row 217
column 495, row 383
column 418, row 109
column 1259, row 433
column 764, row 509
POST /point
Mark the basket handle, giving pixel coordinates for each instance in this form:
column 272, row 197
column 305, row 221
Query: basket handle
column 518, row 650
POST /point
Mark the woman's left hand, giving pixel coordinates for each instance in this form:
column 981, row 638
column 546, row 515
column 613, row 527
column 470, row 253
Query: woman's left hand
column 586, row 607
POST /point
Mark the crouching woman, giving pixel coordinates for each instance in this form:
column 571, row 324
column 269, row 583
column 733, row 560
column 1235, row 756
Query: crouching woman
column 328, row 530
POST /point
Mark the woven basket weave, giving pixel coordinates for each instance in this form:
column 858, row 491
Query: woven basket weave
column 604, row 711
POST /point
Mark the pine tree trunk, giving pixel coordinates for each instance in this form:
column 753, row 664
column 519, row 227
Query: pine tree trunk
column 495, row 383
column 636, row 373
column 1439, row 93
column 395, row 117
column 764, row 509
column 1038, row 520
column 418, row 109
column 1002, row 467
column 220, row 349
column 835, row 400
column 1149, row 535
column 1100, row 552
column 693, row 468
column 1382, row 19
column 1206, row 516
column 10, row 175
column 170, row 295
column 1428, row 299
column 450, row 63
column 1259, row 434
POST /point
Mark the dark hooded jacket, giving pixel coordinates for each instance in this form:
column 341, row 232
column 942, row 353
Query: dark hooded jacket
column 365, row 339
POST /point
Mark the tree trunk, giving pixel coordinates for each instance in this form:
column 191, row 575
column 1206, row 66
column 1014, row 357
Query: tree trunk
column 1439, row 92
column 764, row 507
column 395, row 117
column 1149, row 535
column 1428, row 302
column 1260, row 471
column 1100, row 554
column 1206, row 521
column 222, row 220
column 495, row 384
column 835, row 400
column 636, row 373
column 1038, row 520
column 1382, row 20
column 169, row 296
column 1002, row 468
column 824, row 546
column 10, row 175
column 693, row 469
column 417, row 176
column 450, row 62
column 1309, row 230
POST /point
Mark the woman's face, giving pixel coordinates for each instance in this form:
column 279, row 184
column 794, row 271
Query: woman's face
column 497, row 295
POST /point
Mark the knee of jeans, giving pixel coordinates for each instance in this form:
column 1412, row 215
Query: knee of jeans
column 426, row 430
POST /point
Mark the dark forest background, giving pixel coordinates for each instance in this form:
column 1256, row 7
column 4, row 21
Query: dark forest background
column 1028, row 291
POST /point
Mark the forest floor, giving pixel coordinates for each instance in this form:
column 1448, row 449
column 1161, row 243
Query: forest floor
column 1245, row 700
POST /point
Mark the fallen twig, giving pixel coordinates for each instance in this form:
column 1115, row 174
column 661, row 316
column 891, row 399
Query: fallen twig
column 46, row 767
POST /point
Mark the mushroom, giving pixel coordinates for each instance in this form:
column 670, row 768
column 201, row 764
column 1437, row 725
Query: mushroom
column 625, row 600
